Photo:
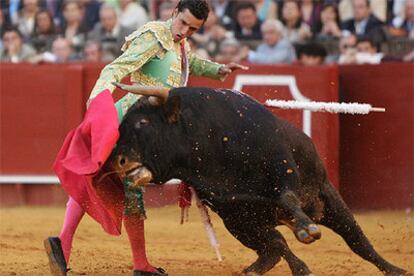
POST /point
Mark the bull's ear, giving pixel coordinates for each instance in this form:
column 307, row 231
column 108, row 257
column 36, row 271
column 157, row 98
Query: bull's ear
column 172, row 109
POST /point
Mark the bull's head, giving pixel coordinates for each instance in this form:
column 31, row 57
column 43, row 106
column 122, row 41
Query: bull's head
column 143, row 125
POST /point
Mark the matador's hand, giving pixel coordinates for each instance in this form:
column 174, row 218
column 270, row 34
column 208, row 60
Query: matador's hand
column 225, row 70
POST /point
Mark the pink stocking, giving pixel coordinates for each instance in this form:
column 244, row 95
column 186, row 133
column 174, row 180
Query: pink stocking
column 73, row 216
column 134, row 227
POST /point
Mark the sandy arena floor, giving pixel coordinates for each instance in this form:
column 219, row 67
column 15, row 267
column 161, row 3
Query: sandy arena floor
column 184, row 249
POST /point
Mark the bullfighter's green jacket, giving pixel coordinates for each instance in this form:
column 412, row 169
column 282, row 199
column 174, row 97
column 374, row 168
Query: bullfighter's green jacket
column 152, row 58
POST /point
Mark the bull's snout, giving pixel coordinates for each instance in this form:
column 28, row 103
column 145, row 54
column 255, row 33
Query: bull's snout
column 137, row 174
column 139, row 177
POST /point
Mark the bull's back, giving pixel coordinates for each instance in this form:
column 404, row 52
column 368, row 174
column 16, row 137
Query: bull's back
column 233, row 116
column 248, row 135
column 229, row 108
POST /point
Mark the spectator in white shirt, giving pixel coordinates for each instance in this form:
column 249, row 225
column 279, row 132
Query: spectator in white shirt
column 274, row 49
column 365, row 52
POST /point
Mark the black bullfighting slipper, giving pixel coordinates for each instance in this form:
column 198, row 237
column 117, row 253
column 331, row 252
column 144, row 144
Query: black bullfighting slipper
column 57, row 260
column 160, row 272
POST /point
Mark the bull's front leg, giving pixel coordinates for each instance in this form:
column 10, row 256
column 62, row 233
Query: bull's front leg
column 305, row 229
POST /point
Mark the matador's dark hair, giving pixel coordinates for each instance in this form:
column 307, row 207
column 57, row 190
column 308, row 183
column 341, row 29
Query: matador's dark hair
column 198, row 8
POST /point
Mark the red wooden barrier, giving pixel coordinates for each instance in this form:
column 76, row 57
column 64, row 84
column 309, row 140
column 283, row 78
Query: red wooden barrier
column 377, row 153
column 39, row 104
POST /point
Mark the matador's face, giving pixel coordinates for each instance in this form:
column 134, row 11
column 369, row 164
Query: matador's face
column 184, row 24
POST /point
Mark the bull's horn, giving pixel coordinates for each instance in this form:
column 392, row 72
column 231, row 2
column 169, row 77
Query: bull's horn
column 156, row 91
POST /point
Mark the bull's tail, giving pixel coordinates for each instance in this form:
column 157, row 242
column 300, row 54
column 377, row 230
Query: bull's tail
column 339, row 218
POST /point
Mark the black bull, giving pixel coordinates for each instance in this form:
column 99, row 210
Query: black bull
column 253, row 169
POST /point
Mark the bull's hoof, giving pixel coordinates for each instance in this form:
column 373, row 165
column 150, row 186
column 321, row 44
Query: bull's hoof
column 396, row 271
column 262, row 265
column 308, row 234
column 54, row 252
column 160, row 272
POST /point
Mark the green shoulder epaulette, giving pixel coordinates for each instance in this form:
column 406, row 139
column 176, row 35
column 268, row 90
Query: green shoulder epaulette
column 161, row 31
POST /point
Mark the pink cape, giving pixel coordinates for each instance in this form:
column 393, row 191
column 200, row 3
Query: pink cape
column 80, row 164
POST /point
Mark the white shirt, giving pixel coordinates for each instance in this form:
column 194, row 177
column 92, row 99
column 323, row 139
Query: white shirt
column 361, row 26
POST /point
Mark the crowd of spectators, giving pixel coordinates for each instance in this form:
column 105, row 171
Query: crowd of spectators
column 306, row 32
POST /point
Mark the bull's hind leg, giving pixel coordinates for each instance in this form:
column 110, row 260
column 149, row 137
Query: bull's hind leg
column 304, row 228
column 288, row 201
column 269, row 245
column 339, row 218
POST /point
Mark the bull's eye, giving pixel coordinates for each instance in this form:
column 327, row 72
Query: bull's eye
column 141, row 123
